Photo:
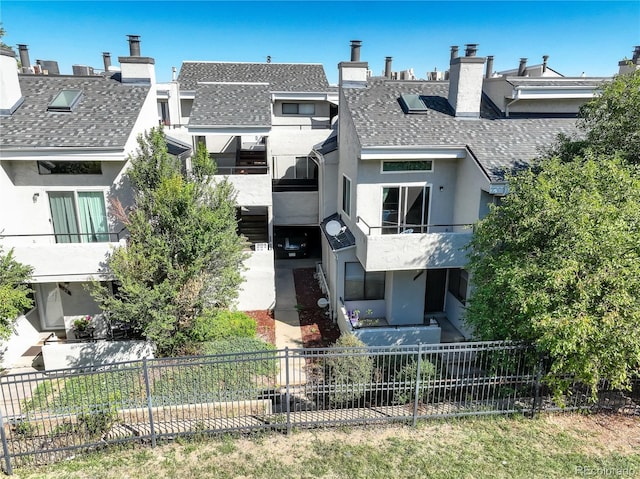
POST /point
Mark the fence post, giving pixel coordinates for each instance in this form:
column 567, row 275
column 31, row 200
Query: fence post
column 417, row 389
column 287, row 395
column 537, row 397
column 147, row 387
column 5, row 446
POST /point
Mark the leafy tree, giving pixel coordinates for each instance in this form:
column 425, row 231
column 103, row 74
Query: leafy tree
column 13, row 291
column 558, row 264
column 610, row 122
column 183, row 254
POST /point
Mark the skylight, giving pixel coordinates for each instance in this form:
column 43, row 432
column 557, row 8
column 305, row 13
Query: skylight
column 65, row 100
column 413, row 104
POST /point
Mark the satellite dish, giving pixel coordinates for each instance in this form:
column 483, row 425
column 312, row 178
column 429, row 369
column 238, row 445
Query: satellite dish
column 333, row 228
column 323, row 303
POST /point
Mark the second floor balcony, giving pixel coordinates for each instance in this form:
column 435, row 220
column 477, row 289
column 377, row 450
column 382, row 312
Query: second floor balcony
column 411, row 246
column 64, row 257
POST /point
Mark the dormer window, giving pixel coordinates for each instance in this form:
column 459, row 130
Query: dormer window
column 65, row 101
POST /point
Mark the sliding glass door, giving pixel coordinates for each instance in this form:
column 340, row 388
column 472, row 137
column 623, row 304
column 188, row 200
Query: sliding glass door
column 79, row 217
column 405, row 209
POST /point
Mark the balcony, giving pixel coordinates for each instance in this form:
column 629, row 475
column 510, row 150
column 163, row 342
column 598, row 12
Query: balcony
column 375, row 331
column 62, row 261
column 387, row 248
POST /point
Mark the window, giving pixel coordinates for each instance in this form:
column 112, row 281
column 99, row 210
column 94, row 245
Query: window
column 79, row 217
column 65, row 101
column 360, row 284
column 298, row 109
column 400, row 166
column 306, row 168
column 346, row 195
column 69, row 167
column 405, row 209
column 458, row 282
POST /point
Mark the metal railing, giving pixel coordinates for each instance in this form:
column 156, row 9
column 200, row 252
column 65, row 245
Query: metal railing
column 242, row 170
column 50, row 416
column 66, row 238
column 408, row 228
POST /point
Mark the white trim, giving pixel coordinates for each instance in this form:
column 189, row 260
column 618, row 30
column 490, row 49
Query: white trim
column 412, row 153
column 350, row 196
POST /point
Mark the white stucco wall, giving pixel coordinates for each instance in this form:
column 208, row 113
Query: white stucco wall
column 320, row 119
column 470, row 181
column 371, row 183
column 405, row 297
column 64, row 261
column 74, row 355
column 328, row 186
column 295, row 208
column 25, row 334
column 455, row 314
column 253, row 190
column 412, row 251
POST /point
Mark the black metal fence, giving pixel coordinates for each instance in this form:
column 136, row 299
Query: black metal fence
column 49, row 416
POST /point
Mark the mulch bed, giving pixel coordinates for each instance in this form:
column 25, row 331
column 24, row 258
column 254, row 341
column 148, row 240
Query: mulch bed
column 318, row 331
column 266, row 324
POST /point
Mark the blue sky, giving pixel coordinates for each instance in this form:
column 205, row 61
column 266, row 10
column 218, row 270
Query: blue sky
column 586, row 36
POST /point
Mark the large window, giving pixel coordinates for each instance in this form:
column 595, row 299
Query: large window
column 458, row 282
column 69, row 167
column 360, row 284
column 78, row 217
column 298, row 109
column 346, row 195
column 405, row 209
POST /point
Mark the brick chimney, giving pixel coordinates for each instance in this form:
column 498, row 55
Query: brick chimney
column 465, row 82
column 353, row 74
column 135, row 68
column 10, row 92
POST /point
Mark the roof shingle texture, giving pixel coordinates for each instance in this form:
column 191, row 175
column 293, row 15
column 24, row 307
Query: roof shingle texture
column 281, row 76
column 500, row 144
column 231, row 105
column 103, row 118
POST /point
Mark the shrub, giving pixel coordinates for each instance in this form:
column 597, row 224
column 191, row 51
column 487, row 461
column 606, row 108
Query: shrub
column 348, row 373
column 215, row 324
column 404, row 381
column 97, row 422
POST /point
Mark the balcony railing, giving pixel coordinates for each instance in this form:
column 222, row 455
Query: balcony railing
column 242, row 170
column 409, row 228
column 64, row 238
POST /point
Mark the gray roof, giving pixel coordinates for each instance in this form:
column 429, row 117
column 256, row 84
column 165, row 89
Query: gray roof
column 231, row 104
column 500, row 144
column 300, row 77
column 103, row 118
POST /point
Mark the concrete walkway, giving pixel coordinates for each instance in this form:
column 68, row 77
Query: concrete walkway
column 286, row 315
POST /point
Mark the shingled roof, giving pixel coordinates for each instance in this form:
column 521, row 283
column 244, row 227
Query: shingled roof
column 300, row 77
column 231, row 104
column 499, row 144
column 103, row 118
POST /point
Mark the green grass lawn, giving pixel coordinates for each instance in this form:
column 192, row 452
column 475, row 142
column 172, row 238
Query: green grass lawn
column 560, row 446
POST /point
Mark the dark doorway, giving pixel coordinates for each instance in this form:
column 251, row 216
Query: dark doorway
column 434, row 290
